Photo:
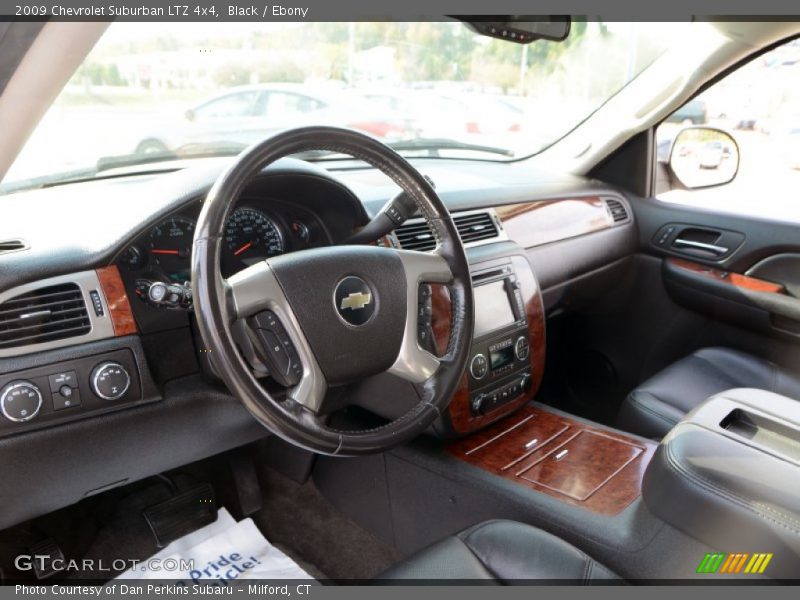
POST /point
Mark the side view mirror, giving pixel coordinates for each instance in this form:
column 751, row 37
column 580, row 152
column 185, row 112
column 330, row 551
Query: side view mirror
column 703, row 157
column 189, row 114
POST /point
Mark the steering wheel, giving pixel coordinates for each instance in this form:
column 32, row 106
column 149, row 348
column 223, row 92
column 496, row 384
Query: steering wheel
column 341, row 313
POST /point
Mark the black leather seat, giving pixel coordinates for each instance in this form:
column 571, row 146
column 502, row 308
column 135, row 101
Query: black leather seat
column 501, row 552
column 657, row 405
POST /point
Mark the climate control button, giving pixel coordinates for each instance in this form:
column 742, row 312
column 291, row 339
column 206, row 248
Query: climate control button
column 20, row 401
column 110, row 381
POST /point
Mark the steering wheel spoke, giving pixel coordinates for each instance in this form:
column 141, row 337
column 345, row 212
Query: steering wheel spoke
column 276, row 335
column 414, row 363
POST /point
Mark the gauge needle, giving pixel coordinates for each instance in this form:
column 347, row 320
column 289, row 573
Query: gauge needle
column 165, row 251
column 243, row 248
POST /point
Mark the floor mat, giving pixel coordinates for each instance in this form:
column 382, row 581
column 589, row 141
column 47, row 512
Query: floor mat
column 224, row 551
column 298, row 519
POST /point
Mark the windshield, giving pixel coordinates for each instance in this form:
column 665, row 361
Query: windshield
column 156, row 92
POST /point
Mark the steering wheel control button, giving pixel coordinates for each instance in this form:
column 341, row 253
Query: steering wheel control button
column 66, row 397
column 59, row 380
column 110, row 381
column 522, row 349
column 479, row 367
column 275, row 348
column 425, row 318
column 354, row 301
column 20, row 401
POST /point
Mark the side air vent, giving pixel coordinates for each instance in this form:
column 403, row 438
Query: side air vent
column 50, row 313
column 617, row 210
column 472, row 227
column 12, row 246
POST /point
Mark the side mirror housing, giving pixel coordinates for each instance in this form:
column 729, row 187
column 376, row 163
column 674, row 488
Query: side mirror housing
column 700, row 157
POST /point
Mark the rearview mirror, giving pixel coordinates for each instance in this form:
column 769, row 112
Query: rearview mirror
column 519, row 29
column 702, row 157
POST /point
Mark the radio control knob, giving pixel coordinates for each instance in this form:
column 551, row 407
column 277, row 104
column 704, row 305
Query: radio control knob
column 479, row 366
column 477, row 404
column 20, row 401
column 525, row 383
column 110, row 380
column 522, row 348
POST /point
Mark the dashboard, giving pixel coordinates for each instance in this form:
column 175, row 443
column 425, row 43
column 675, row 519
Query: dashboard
column 134, row 379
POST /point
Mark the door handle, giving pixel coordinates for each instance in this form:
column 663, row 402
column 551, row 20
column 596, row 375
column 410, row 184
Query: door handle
column 718, row 250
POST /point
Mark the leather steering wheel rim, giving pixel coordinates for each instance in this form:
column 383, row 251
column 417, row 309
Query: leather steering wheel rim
column 218, row 302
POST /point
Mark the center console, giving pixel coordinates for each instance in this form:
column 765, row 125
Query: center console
column 506, row 363
column 499, row 369
column 729, row 475
column 596, row 469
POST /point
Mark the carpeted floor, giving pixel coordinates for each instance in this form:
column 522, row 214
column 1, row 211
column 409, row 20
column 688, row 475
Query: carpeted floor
column 299, row 520
column 296, row 518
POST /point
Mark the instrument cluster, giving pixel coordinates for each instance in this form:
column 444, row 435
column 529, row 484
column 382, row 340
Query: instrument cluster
column 251, row 234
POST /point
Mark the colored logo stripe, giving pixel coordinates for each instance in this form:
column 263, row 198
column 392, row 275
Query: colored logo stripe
column 711, row 563
column 741, row 562
column 734, row 563
column 758, row 563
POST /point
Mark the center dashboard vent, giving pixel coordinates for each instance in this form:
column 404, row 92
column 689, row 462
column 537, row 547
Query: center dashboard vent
column 43, row 315
column 472, row 227
column 617, row 210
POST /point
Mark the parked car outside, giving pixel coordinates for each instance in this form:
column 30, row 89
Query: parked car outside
column 245, row 114
column 711, row 155
column 450, row 115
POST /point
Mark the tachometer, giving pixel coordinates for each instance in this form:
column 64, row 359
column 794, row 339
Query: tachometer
column 252, row 236
column 169, row 247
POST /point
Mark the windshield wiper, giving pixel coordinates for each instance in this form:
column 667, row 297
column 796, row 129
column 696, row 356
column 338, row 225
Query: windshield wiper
column 433, row 145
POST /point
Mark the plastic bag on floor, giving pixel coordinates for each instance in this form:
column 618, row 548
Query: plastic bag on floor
column 219, row 553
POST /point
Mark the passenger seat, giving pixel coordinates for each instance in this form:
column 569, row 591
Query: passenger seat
column 657, row 405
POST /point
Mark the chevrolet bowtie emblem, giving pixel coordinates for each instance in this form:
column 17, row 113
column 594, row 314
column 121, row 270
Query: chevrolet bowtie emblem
column 356, row 301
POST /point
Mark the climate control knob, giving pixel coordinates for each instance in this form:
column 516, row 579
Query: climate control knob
column 110, row 380
column 20, row 401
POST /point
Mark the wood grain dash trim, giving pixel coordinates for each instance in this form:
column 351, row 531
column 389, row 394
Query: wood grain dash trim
column 541, row 222
column 119, row 307
column 499, row 435
column 536, row 448
column 602, row 473
column 734, row 279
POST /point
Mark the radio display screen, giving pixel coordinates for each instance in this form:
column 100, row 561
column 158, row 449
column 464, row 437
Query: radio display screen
column 492, row 308
column 501, row 358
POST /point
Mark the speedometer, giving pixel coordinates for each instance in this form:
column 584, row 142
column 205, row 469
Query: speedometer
column 252, row 236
